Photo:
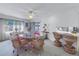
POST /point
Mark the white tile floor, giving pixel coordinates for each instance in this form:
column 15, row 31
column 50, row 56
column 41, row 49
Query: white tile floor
column 49, row 50
column 6, row 48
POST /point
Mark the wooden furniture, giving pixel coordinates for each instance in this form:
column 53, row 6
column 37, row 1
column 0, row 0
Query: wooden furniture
column 16, row 44
column 57, row 36
column 37, row 46
column 70, row 40
column 26, row 43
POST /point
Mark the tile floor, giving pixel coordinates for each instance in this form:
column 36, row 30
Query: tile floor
column 49, row 50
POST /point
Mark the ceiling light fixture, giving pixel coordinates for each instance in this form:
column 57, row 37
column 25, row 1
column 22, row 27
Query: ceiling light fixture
column 30, row 15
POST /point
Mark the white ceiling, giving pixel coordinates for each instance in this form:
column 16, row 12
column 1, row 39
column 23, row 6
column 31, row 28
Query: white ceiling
column 20, row 10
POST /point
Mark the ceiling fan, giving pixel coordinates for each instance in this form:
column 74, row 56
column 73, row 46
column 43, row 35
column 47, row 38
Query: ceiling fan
column 30, row 13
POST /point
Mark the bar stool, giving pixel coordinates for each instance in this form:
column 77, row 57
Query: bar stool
column 57, row 36
column 70, row 39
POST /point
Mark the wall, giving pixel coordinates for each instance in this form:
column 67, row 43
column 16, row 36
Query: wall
column 68, row 18
column 0, row 29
